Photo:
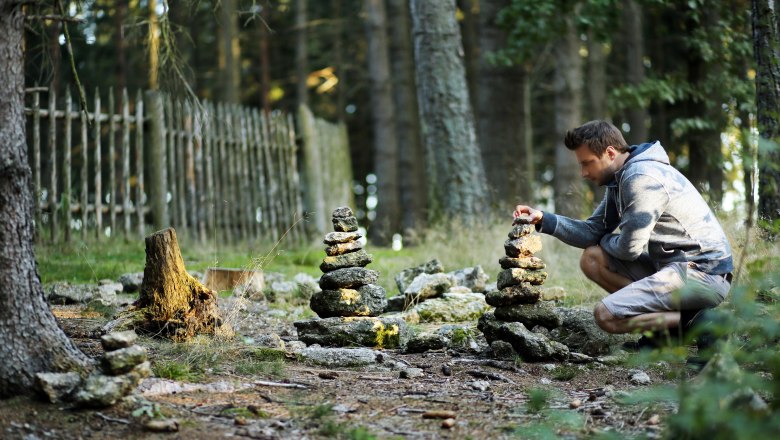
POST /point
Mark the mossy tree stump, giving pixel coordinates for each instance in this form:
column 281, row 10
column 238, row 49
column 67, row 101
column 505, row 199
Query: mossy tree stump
column 172, row 303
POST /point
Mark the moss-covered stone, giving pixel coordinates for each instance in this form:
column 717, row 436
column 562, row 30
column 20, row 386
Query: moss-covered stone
column 345, row 224
column 542, row 313
column 341, row 237
column 343, row 248
column 368, row 300
column 521, row 262
column 348, row 277
column 521, row 231
column 352, row 259
column 515, row 276
column 380, row 332
column 523, row 246
column 523, row 293
column 529, row 345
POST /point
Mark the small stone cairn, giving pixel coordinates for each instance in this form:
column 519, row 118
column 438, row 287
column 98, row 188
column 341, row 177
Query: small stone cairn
column 522, row 317
column 349, row 302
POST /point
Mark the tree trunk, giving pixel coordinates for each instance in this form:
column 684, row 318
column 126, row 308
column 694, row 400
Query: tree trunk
column 597, row 79
column 301, row 53
column 569, row 189
column 30, row 340
column 154, row 46
column 265, row 62
column 766, row 45
column 635, row 68
column 411, row 172
column 174, row 304
column 499, row 108
column 120, row 41
column 388, row 211
column 229, row 52
column 456, row 176
column 472, row 51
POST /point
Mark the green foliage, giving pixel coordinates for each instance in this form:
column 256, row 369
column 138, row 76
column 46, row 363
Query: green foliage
column 565, row 372
column 105, row 310
column 538, row 399
column 174, row 370
column 148, row 409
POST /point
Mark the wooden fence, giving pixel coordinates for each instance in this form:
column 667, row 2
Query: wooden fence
column 213, row 171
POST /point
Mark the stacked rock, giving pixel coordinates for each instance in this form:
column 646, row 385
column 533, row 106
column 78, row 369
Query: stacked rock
column 349, row 299
column 518, row 299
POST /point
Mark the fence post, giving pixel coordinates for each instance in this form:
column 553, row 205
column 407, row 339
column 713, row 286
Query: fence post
column 157, row 180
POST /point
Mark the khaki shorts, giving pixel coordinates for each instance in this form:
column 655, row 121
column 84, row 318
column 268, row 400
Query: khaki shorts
column 676, row 286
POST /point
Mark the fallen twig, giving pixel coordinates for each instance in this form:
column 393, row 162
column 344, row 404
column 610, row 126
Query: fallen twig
column 266, row 383
column 111, row 419
column 386, row 378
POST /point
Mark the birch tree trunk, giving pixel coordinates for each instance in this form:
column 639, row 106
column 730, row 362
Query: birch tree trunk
column 456, row 177
column 30, row 339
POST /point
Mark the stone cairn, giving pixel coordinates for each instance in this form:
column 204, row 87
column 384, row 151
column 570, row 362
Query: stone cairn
column 349, row 303
column 522, row 317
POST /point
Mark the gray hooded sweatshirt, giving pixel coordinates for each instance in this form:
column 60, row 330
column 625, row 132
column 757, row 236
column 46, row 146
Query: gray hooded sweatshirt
column 660, row 214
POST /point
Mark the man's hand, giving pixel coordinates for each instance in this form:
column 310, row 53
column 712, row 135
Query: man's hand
column 526, row 215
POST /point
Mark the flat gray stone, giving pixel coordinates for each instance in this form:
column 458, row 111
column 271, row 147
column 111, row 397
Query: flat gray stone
column 521, row 262
column 131, row 282
column 341, row 357
column 427, row 286
column 579, row 332
column 523, row 293
column 57, row 387
column 343, row 248
column 368, row 300
column 404, row 278
column 524, row 246
column 529, row 345
column 502, row 350
column 541, row 313
column 521, row 231
column 345, row 224
column 66, row 293
column 474, row 278
column 99, row 390
column 423, row 342
column 379, row 332
column 353, row 259
column 123, row 360
column 451, row 307
column 515, row 276
column 348, row 277
column 396, row 304
column 342, row 212
column 117, row 340
column 332, row 238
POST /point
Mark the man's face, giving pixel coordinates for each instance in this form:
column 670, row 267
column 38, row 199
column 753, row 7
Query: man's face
column 599, row 170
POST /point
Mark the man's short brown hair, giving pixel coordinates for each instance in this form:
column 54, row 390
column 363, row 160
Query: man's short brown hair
column 597, row 135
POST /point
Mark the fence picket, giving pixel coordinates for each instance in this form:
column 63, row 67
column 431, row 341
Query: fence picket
column 84, row 193
column 98, row 170
column 139, row 161
column 125, row 163
column 66, row 162
column 36, row 160
column 112, row 183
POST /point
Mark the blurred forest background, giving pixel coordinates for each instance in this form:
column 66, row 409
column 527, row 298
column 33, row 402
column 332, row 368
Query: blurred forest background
column 682, row 72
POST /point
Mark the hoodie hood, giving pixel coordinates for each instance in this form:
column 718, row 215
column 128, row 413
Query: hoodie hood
column 649, row 151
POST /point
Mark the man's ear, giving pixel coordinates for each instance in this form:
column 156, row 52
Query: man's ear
column 611, row 151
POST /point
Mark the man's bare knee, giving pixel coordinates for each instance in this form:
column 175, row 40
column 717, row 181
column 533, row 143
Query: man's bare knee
column 591, row 261
column 604, row 318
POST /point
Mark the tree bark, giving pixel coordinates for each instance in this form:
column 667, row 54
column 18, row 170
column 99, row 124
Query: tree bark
column 30, row 339
column 411, row 172
column 229, row 52
column 388, row 211
column 499, row 112
column 174, row 304
column 301, row 53
column 154, row 46
column 569, row 189
column 457, row 183
column 635, row 68
column 766, row 45
column 472, row 52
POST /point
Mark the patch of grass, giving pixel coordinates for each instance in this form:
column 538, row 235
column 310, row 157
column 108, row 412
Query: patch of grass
column 538, row 399
column 244, row 412
column 263, row 368
column 176, row 371
column 104, row 310
column 564, row 372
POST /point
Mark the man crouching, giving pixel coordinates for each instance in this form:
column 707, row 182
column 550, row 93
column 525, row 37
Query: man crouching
column 668, row 236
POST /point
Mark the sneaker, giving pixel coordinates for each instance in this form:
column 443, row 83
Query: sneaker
column 658, row 339
column 698, row 324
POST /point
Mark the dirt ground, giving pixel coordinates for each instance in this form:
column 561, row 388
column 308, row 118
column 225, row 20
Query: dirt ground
column 486, row 398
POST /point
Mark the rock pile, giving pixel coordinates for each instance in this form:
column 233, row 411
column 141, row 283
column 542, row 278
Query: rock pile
column 122, row 367
column 519, row 303
column 349, row 302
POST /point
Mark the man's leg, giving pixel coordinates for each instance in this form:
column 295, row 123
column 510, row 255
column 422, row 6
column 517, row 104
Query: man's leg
column 648, row 321
column 595, row 266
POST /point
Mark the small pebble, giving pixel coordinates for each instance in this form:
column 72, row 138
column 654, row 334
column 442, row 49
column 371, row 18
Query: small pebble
column 654, row 420
column 446, row 370
column 576, row 403
column 448, row 423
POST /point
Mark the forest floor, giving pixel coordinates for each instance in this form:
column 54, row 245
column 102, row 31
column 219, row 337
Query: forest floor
column 256, row 395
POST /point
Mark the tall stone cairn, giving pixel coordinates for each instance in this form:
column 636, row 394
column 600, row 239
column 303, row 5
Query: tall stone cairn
column 520, row 308
column 349, row 301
